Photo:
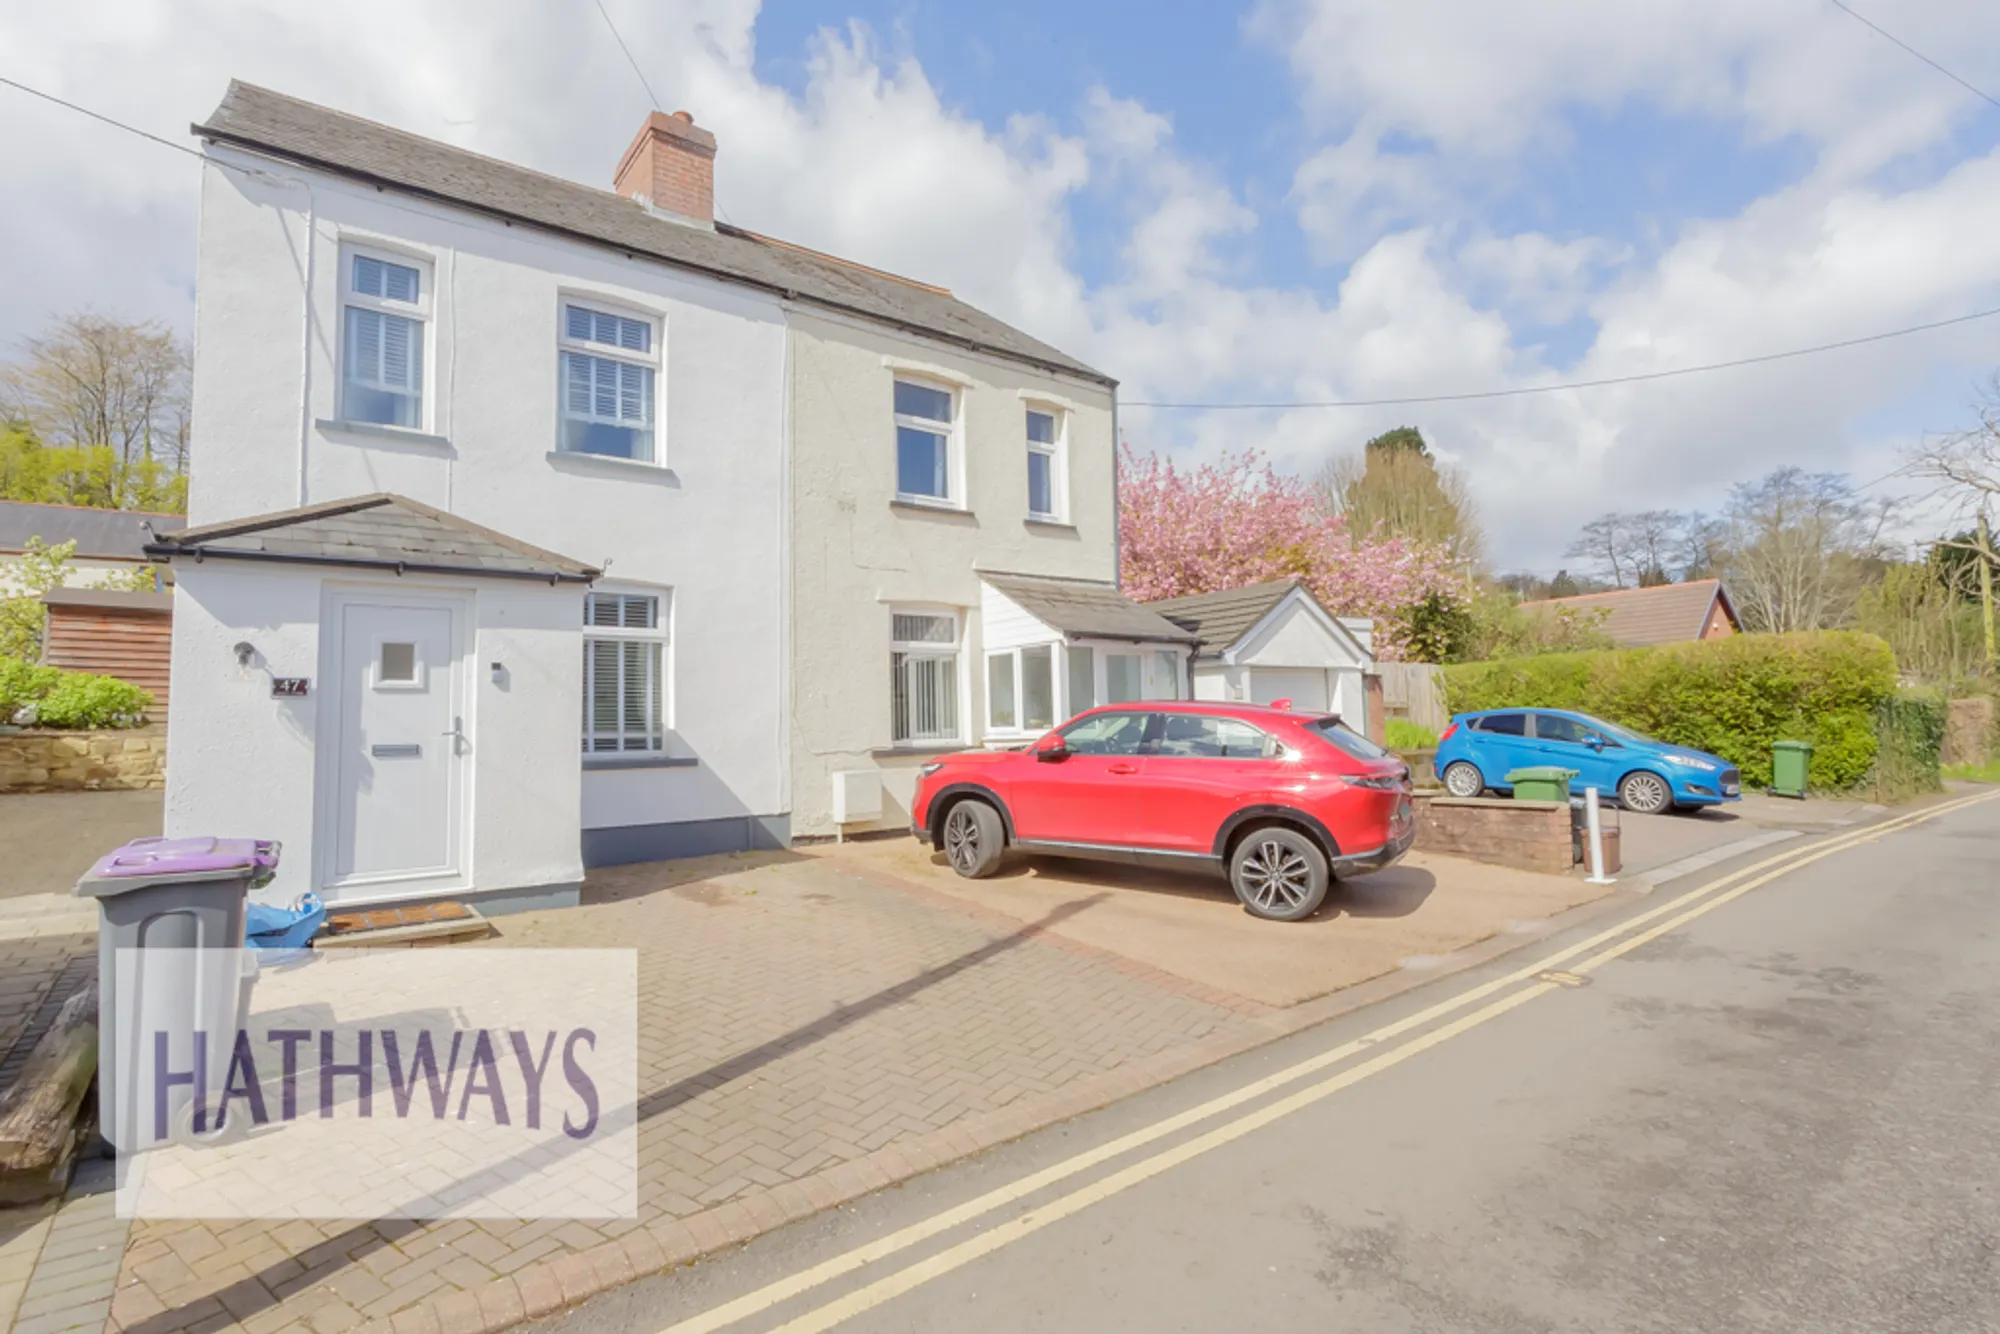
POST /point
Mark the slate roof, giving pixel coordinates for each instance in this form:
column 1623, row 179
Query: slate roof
column 99, row 534
column 1641, row 617
column 381, row 531
column 1091, row 610
column 1223, row 618
column 272, row 123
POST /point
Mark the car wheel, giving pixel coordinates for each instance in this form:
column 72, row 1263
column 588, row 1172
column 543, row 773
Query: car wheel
column 1279, row 874
column 1463, row 779
column 1644, row 793
column 973, row 839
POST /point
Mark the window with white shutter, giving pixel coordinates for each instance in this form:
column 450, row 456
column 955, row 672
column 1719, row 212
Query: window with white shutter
column 609, row 362
column 385, row 308
column 625, row 686
column 923, row 676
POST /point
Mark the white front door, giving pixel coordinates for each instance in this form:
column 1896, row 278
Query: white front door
column 1305, row 687
column 397, row 774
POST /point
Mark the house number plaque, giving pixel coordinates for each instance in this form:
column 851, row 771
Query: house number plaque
column 283, row 687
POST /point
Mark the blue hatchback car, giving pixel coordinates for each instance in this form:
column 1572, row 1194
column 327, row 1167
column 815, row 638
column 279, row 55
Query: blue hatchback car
column 1479, row 750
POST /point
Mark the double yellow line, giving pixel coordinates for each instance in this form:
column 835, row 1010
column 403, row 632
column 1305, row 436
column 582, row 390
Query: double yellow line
column 1628, row 935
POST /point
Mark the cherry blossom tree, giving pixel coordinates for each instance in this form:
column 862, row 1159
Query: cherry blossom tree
column 1238, row 521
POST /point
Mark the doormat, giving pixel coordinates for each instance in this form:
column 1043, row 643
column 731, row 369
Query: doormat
column 420, row 924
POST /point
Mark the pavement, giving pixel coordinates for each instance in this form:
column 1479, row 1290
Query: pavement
column 1764, row 1098
column 52, row 838
column 817, row 1025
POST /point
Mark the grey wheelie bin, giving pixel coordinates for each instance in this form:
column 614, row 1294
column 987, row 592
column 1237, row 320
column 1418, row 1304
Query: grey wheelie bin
column 179, row 902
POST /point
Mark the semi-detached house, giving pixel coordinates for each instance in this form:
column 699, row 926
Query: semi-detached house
column 537, row 526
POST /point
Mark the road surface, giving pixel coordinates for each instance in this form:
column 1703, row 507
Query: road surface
column 1767, row 1100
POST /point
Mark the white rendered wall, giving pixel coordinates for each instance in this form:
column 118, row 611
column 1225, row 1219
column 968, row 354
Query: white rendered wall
column 709, row 524
column 856, row 554
column 242, row 764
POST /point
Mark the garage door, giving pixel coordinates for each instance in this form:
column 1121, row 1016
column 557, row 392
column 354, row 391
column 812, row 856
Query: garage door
column 1305, row 687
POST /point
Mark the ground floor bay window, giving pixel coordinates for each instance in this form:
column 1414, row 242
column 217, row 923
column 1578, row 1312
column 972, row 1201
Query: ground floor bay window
column 1036, row 687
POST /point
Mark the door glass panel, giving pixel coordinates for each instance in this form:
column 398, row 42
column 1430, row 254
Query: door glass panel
column 1198, row 736
column 1038, row 688
column 398, row 665
column 1107, row 734
column 1554, row 727
column 1082, row 679
column 1121, row 678
column 1000, row 690
column 1504, row 724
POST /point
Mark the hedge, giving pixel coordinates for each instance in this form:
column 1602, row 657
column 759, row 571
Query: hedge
column 51, row 697
column 1910, row 727
column 1731, row 697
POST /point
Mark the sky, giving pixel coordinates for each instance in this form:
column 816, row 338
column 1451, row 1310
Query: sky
column 1286, row 201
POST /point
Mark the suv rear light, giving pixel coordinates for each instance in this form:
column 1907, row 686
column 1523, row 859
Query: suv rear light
column 1382, row 782
column 1446, row 734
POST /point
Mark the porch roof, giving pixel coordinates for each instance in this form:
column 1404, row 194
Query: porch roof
column 1088, row 609
column 381, row 531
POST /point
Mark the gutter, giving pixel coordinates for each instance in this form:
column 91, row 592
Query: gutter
column 398, row 567
column 213, row 134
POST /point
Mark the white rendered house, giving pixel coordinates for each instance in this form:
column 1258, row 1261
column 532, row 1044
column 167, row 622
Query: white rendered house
column 771, row 481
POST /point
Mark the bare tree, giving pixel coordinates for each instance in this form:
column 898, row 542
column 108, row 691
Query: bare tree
column 96, row 382
column 1801, row 546
column 1701, row 547
column 1964, row 470
column 1651, row 536
column 1606, row 543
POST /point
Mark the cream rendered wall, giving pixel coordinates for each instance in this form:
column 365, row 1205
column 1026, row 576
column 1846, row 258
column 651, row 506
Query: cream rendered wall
column 243, row 764
column 855, row 554
column 710, row 524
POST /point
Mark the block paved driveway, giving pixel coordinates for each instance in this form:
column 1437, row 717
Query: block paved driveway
column 812, row 1029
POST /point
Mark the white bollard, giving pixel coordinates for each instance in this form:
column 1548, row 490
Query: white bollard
column 1594, row 823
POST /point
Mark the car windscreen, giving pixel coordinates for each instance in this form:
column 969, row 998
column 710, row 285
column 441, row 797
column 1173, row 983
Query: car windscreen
column 1349, row 740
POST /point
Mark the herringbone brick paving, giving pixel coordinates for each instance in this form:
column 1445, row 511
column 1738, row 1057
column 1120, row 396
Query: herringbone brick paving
column 806, row 1033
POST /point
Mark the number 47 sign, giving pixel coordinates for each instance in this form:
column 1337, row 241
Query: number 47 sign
column 288, row 686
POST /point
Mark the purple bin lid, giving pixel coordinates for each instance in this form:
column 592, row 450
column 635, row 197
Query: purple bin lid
column 184, row 856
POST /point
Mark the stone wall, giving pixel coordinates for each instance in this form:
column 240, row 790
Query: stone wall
column 46, row 760
column 1968, row 733
column 1527, row 835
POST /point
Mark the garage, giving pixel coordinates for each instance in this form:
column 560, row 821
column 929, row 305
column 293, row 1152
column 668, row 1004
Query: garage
column 1305, row 687
column 1274, row 641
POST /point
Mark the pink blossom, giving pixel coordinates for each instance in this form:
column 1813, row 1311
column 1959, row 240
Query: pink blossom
column 1238, row 521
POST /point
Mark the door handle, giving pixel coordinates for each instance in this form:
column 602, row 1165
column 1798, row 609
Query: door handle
column 1123, row 769
column 457, row 732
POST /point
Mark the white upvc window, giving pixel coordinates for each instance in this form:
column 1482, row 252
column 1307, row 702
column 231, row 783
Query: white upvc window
column 1048, row 477
column 1021, row 689
column 385, row 306
column 1135, row 675
column 927, row 470
column 625, row 687
column 609, row 365
column 923, row 675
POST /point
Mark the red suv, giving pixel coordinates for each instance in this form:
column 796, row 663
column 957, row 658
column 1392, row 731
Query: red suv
column 1281, row 801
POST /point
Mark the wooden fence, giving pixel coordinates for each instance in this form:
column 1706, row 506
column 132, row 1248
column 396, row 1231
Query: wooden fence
column 1414, row 690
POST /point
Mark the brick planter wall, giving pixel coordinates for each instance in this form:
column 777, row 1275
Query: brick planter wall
column 1527, row 835
column 46, row 760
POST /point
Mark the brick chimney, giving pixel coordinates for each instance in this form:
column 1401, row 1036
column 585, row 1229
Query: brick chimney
column 671, row 167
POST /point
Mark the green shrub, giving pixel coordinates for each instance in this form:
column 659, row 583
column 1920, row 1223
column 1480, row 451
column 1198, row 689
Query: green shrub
column 1731, row 697
column 1909, row 732
column 80, row 699
column 1403, row 734
column 22, row 684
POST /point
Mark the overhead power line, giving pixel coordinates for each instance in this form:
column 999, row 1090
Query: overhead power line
column 651, row 96
column 1525, row 390
column 1884, row 33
